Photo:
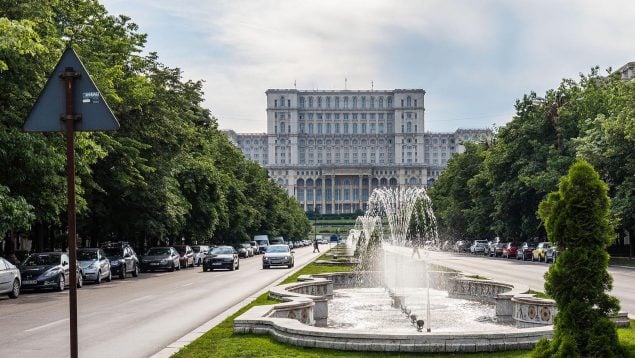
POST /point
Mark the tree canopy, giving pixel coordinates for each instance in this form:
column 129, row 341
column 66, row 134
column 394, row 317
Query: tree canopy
column 167, row 174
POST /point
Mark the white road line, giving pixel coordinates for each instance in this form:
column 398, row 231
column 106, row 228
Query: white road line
column 142, row 298
column 187, row 284
column 46, row 325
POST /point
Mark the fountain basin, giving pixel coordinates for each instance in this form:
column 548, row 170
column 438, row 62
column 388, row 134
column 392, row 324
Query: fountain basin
column 267, row 320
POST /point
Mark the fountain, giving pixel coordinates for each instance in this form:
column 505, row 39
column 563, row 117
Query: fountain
column 394, row 302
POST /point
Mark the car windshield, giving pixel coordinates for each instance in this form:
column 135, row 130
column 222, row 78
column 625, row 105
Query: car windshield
column 84, row 255
column 196, row 249
column 113, row 252
column 278, row 249
column 180, row 249
column 42, row 260
column 223, row 251
column 246, row 245
column 156, row 251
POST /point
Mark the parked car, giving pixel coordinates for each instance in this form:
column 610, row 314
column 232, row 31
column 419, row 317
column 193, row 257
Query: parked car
column 186, row 255
column 525, row 251
column 255, row 247
column 200, row 251
column 123, row 259
column 10, row 279
column 242, row 251
column 95, row 265
column 161, row 258
column 263, row 242
column 46, row 270
column 498, row 249
column 551, row 254
column 539, row 252
column 510, row 250
column 250, row 250
column 461, row 246
column 478, row 246
column 277, row 240
column 291, row 244
column 222, row 257
column 278, row 255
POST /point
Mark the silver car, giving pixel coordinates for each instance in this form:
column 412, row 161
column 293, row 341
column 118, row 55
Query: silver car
column 278, row 255
column 95, row 265
column 10, row 279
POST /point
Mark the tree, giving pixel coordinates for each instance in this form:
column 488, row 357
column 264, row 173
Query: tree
column 576, row 218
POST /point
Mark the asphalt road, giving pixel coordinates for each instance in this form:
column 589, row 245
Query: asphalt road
column 526, row 272
column 135, row 317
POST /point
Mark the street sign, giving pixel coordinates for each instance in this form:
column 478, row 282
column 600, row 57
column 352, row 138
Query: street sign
column 92, row 112
column 70, row 102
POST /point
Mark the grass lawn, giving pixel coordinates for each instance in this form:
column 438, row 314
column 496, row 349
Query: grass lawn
column 221, row 342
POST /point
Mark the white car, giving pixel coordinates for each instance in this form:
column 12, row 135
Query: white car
column 200, row 251
column 10, row 279
column 278, row 255
column 478, row 246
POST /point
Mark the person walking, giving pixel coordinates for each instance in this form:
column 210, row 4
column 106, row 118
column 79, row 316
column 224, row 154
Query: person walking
column 316, row 245
column 415, row 249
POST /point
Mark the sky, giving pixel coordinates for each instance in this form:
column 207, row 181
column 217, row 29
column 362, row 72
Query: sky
column 474, row 58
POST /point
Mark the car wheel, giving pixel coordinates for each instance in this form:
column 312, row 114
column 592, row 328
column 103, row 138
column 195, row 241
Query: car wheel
column 532, row 257
column 98, row 279
column 80, row 281
column 265, row 267
column 135, row 272
column 15, row 292
column 232, row 268
column 172, row 268
column 122, row 275
column 238, row 266
column 109, row 278
column 61, row 284
column 204, row 269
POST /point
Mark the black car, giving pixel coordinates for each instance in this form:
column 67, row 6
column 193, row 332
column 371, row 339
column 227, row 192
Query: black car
column 123, row 259
column 186, row 255
column 161, row 258
column 222, row 257
column 48, row 270
column 526, row 251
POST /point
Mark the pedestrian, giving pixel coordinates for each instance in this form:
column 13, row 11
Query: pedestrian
column 316, row 245
column 415, row 249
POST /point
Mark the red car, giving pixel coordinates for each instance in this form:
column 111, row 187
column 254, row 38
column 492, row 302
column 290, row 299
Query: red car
column 511, row 250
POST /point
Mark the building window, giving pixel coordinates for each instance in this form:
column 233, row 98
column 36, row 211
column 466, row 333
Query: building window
column 275, row 103
column 319, row 128
column 319, row 102
column 345, row 128
column 346, row 102
column 282, row 101
column 354, row 128
column 389, row 102
column 337, row 128
column 354, row 102
column 408, row 101
column 328, row 102
column 372, row 102
column 310, row 102
column 381, row 102
column 337, row 102
column 363, row 101
column 301, row 102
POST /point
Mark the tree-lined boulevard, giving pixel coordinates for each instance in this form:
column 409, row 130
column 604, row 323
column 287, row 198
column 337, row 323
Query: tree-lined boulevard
column 136, row 317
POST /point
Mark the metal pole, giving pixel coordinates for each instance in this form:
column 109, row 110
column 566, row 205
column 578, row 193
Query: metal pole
column 69, row 76
column 428, row 303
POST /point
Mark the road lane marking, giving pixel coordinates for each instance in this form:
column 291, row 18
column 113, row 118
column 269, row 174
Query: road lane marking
column 187, row 284
column 45, row 325
column 142, row 298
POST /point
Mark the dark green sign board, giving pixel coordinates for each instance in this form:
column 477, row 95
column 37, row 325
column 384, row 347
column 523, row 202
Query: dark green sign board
column 89, row 105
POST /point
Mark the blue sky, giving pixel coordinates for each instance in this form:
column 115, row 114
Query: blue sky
column 473, row 58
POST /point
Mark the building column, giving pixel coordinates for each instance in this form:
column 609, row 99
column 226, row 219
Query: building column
column 333, row 194
column 323, row 194
column 359, row 193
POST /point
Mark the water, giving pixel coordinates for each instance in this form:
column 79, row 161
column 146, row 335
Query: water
column 369, row 310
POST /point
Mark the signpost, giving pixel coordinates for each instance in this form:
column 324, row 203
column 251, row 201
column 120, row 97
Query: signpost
column 70, row 102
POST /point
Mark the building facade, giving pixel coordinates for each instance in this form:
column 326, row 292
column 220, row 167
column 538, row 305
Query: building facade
column 330, row 149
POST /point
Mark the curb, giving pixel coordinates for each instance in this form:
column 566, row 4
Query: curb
column 197, row 332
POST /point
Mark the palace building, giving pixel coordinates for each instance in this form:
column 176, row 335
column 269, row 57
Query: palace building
column 330, row 149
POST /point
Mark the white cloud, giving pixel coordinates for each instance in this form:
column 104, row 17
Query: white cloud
column 496, row 50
